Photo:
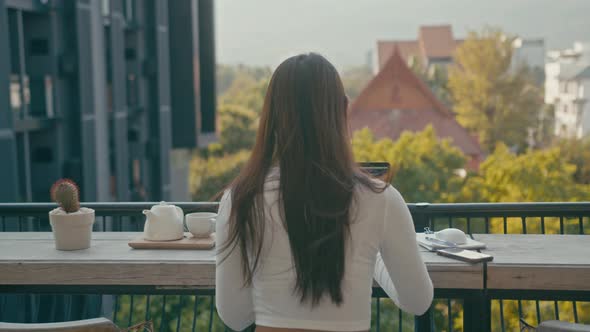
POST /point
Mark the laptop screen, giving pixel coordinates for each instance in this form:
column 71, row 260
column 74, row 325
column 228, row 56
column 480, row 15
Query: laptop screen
column 377, row 169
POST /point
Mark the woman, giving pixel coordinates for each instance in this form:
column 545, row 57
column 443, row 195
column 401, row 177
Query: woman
column 302, row 230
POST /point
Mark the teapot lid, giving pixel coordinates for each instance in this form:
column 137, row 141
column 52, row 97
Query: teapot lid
column 162, row 204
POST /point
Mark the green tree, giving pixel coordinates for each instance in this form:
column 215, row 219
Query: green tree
column 239, row 103
column 175, row 313
column 544, row 133
column 208, row 176
column 577, row 152
column 226, row 75
column 237, row 127
column 424, row 167
column 435, row 76
column 490, row 98
column 246, row 91
column 536, row 176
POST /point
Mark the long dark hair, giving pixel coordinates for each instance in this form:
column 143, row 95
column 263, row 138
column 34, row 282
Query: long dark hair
column 304, row 131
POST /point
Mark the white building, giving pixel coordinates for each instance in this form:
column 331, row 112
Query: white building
column 567, row 88
column 572, row 110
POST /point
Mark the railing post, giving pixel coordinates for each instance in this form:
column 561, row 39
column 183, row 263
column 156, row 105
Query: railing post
column 476, row 312
column 424, row 323
column 420, row 217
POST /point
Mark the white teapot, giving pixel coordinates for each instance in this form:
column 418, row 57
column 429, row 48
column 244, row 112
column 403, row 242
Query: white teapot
column 164, row 222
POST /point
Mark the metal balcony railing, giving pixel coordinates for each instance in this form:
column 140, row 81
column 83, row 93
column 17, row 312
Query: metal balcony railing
column 195, row 310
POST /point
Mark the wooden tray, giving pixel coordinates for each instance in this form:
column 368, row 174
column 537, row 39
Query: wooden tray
column 187, row 242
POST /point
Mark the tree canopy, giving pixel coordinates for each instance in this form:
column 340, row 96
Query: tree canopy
column 435, row 76
column 577, row 152
column 237, row 127
column 491, row 98
column 424, row 168
column 535, row 176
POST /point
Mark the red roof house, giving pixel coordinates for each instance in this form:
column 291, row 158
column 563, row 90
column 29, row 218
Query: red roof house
column 435, row 44
column 396, row 100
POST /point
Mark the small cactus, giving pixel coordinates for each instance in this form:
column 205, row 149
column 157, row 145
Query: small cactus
column 65, row 193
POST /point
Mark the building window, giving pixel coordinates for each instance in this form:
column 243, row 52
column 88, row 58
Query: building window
column 39, row 46
column 565, row 109
column 571, row 86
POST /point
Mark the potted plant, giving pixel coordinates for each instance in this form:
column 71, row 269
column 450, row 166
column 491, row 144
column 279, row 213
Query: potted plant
column 71, row 224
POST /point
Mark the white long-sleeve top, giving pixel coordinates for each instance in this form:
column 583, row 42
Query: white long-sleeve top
column 382, row 246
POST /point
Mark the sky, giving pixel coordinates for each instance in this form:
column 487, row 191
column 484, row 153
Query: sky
column 264, row 32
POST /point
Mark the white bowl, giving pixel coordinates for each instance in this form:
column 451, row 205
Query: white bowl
column 201, row 224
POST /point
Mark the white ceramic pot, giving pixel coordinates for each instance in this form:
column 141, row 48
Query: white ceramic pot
column 72, row 231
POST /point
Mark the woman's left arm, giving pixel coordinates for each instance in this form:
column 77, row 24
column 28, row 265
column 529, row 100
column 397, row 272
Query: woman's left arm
column 233, row 299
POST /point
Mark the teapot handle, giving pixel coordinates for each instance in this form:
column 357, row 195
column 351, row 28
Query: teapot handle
column 212, row 225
